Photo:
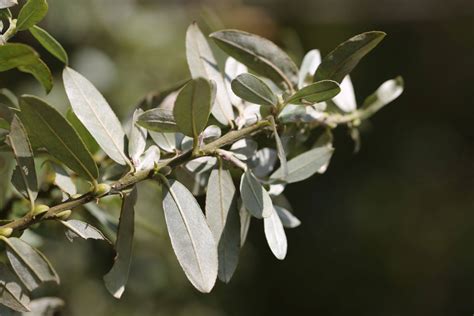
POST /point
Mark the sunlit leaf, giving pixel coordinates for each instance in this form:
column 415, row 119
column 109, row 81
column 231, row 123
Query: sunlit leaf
column 168, row 142
column 316, row 92
column 254, row 90
column 80, row 229
column 49, row 43
column 137, row 138
column 41, row 72
column 31, row 13
column 346, row 100
column 83, row 133
column 13, row 55
column 158, row 120
column 63, row 180
column 254, row 196
column 287, row 218
column 386, row 93
column 12, row 293
column 148, row 159
column 201, row 164
column 45, row 306
column 7, row 3
column 275, row 235
column 310, row 63
column 245, row 218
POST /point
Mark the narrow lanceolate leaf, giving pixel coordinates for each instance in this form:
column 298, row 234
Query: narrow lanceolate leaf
column 41, row 72
column 310, row 63
column 12, row 293
column 305, row 165
column 7, row 3
column 80, row 229
column 316, row 92
column 137, row 138
column 275, row 235
column 30, row 265
column 57, row 135
column 287, row 218
column 193, row 106
column 345, row 57
column 223, row 219
column 254, row 197
column 167, row 141
column 259, row 55
column 83, row 133
column 386, row 93
column 49, row 43
column 148, row 159
column 202, row 63
column 245, row 218
column 158, row 120
column 13, row 55
column 95, row 113
column 25, row 170
column 280, row 150
column 31, row 13
column 252, row 89
column 63, row 181
column 116, row 278
column 192, row 240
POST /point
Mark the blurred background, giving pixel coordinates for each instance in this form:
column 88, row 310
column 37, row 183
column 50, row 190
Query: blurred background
column 387, row 231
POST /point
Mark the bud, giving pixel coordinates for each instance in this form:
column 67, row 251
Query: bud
column 64, row 215
column 6, row 231
column 40, row 209
column 101, row 189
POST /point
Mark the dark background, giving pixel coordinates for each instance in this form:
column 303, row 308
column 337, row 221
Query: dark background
column 387, row 231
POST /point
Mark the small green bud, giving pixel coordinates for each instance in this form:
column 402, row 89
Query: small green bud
column 6, row 231
column 64, row 215
column 40, row 209
column 101, row 189
column 76, row 196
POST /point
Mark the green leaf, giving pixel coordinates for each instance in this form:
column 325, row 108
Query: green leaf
column 287, row 218
column 193, row 106
column 12, row 294
column 57, row 136
column 13, row 55
column 254, row 197
column 7, row 3
column 280, row 149
column 95, row 114
column 275, row 235
column 137, row 138
column 305, row 165
column 223, row 219
column 29, row 264
column 41, row 72
column 49, row 43
column 158, row 120
column 25, row 170
column 80, row 229
column 386, row 93
column 245, row 218
column 31, row 13
column 202, row 64
column 345, row 57
column 192, row 240
column 252, row 89
column 259, row 55
column 316, row 92
column 83, row 133
column 310, row 63
column 116, row 279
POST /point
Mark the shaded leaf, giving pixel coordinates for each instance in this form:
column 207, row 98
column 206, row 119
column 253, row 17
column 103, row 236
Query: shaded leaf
column 253, row 89
column 254, row 197
column 116, row 278
column 12, row 293
column 386, row 93
column 280, row 149
column 245, row 218
column 49, row 43
column 202, row 63
column 63, row 180
column 259, row 55
column 264, row 161
column 57, row 135
column 41, row 72
column 158, row 120
column 211, row 133
column 31, row 13
column 287, row 218
column 345, row 57
column 81, row 229
column 95, row 113
column 201, row 164
column 316, row 92
column 244, row 149
column 275, row 235
column 30, row 265
column 192, row 240
column 83, row 133
column 13, row 55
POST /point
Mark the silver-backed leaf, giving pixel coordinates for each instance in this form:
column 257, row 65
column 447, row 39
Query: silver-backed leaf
column 45, row 306
column 29, row 264
column 233, row 68
column 275, row 235
column 168, row 142
column 264, row 161
column 137, row 137
column 77, row 228
column 316, row 92
column 310, row 63
column 12, row 293
column 245, row 218
column 95, row 113
column 223, row 220
column 158, row 120
column 386, row 93
column 149, row 158
column 116, row 279
column 287, row 218
column 63, row 180
column 202, row 63
column 191, row 238
column 280, row 150
column 244, row 148
column 254, row 196
column 252, row 89
column 211, row 133
column 7, row 3
column 346, row 100
column 201, row 164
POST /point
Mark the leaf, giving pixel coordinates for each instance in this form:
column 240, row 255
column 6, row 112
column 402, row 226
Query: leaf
column 305, row 165
column 192, row 240
column 201, row 164
column 7, row 3
column 386, row 93
column 83, row 133
column 167, row 141
column 49, row 43
column 223, row 220
column 202, row 63
column 245, row 218
column 233, row 68
column 149, row 159
column 116, row 279
column 63, row 180
column 254, row 90
column 193, row 106
column 287, row 218
column 275, row 235
column 29, row 264
column 346, row 100
column 41, row 72
column 12, row 293
column 13, row 55
column 45, row 306
column 254, row 197
column 95, row 113
column 259, row 55
column 158, row 120
column 25, row 170
column 316, row 92
column 310, row 63
column 345, row 57
column 211, row 133
column 264, row 161
column 81, row 229
column 137, row 138
column 280, row 150
column 109, row 224
column 31, row 13
column 57, row 135
column 244, row 148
